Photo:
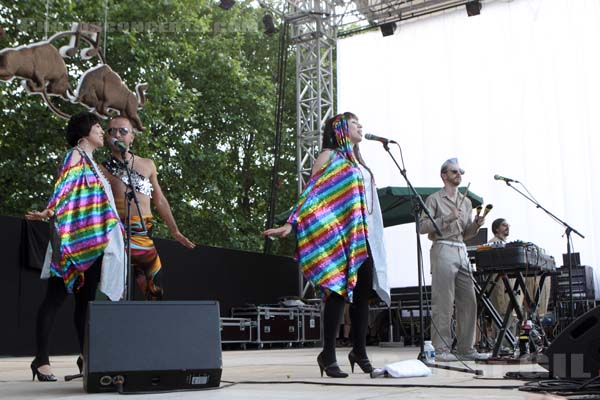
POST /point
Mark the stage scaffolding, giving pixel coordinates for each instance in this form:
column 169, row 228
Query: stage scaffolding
column 315, row 27
column 314, row 35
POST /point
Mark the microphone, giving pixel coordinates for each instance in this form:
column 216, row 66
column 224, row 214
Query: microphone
column 119, row 145
column 488, row 208
column 502, row 178
column 370, row 136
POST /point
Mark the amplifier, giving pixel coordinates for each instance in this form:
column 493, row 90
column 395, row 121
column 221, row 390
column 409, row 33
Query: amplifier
column 582, row 280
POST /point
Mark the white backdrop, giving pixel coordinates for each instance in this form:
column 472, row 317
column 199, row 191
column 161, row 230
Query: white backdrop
column 514, row 91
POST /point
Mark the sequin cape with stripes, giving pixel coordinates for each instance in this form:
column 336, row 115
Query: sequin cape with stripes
column 331, row 229
column 83, row 218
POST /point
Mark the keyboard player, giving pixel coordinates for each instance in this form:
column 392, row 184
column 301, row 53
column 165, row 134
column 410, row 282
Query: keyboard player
column 499, row 297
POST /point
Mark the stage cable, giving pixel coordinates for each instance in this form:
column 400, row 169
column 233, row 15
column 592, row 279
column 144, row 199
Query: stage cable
column 121, row 390
column 388, row 385
column 566, row 387
column 281, row 85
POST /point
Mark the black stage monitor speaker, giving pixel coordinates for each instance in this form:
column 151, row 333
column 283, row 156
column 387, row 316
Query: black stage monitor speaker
column 136, row 346
column 575, row 353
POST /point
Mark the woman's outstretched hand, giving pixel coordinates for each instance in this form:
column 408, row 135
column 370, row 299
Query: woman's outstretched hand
column 39, row 215
column 281, row 231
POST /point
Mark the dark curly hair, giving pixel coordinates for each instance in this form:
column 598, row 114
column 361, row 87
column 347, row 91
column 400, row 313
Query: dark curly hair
column 80, row 126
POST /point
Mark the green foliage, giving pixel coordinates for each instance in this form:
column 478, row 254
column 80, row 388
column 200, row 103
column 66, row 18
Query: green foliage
column 209, row 113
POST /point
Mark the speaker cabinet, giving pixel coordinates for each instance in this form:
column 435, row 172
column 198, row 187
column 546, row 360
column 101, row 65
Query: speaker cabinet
column 575, row 353
column 141, row 346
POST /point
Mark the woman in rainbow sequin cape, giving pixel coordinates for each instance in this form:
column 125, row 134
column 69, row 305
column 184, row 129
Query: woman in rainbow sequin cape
column 86, row 245
column 339, row 230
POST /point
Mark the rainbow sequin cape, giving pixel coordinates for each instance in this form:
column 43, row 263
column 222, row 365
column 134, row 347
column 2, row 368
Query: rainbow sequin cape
column 331, row 228
column 83, row 218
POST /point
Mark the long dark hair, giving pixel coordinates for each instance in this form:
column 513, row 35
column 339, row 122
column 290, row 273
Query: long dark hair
column 330, row 142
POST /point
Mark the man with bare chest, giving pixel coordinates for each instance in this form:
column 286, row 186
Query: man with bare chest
column 144, row 258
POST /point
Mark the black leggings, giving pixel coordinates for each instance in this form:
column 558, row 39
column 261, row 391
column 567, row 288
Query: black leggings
column 359, row 315
column 55, row 297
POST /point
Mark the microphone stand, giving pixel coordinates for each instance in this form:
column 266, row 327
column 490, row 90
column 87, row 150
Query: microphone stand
column 568, row 230
column 419, row 206
column 130, row 194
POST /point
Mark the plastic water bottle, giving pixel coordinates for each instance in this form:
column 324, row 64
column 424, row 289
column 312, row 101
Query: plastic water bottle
column 429, row 351
column 524, row 332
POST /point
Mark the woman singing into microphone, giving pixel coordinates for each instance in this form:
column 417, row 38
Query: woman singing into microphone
column 86, row 246
column 338, row 225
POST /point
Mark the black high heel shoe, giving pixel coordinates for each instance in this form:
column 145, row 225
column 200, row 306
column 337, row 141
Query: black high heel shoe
column 41, row 377
column 363, row 363
column 332, row 370
column 80, row 364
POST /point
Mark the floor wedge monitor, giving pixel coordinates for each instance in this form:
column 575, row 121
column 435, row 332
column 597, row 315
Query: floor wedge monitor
column 575, row 353
column 138, row 346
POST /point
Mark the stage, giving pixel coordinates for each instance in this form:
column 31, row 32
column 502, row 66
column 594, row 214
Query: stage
column 290, row 373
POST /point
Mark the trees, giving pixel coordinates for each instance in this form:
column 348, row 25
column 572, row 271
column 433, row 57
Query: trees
column 209, row 111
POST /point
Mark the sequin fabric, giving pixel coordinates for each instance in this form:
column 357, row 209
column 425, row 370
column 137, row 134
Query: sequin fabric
column 82, row 221
column 144, row 257
column 330, row 224
column 140, row 182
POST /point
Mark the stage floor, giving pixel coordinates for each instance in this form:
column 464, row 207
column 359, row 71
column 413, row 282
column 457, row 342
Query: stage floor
column 289, row 374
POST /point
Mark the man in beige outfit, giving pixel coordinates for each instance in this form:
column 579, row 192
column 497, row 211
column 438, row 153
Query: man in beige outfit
column 451, row 280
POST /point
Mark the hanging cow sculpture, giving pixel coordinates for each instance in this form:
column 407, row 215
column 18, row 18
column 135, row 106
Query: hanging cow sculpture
column 102, row 89
column 42, row 67
column 44, row 72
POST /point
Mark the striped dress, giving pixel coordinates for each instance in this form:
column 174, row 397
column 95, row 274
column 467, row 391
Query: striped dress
column 83, row 219
column 331, row 228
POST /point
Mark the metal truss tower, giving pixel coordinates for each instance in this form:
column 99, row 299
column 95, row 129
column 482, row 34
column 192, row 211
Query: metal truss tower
column 315, row 27
column 314, row 35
